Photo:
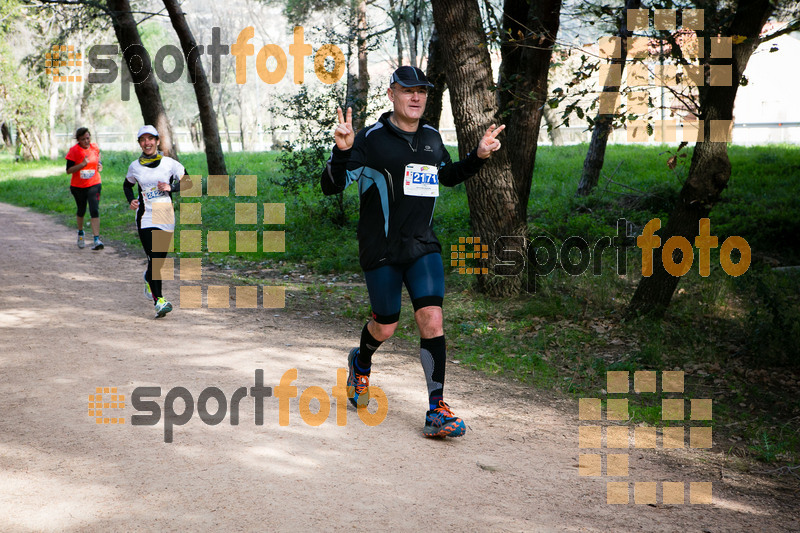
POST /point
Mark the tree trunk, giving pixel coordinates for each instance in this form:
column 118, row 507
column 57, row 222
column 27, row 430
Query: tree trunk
column 357, row 46
column 596, row 154
column 51, row 123
column 413, row 38
column 493, row 200
column 223, row 110
column 144, row 80
column 437, row 75
column 361, row 93
column 38, row 141
column 77, row 89
column 194, row 134
column 398, row 31
column 710, row 168
column 208, row 117
column 529, row 33
column 86, row 99
column 412, row 56
column 6, row 133
column 555, row 133
column 27, row 147
column 227, row 129
column 241, row 121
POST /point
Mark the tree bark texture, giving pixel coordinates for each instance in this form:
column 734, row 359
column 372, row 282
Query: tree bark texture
column 194, row 135
column 529, row 33
column 396, row 17
column 493, row 200
column 6, row 133
column 710, row 168
column 51, row 130
column 223, row 111
column 437, row 75
column 595, row 156
column 141, row 72
column 197, row 75
column 241, row 131
column 28, row 146
column 412, row 26
column 358, row 86
column 550, row 118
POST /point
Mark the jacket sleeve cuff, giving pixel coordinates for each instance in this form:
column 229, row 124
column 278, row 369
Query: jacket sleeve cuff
column 474, row 161
column 340, row 155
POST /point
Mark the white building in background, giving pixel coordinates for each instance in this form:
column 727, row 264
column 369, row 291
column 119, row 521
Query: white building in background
column 766, row 109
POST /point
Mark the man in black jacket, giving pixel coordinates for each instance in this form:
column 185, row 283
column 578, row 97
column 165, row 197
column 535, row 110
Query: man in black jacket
column 398, row 164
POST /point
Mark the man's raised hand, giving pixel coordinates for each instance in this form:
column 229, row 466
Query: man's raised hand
column 489, row 143
column 343, row 133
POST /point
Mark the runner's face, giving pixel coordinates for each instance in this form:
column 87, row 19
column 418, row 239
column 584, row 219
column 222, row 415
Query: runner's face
column 409, row 102
column 149, row 144
column 84, row 140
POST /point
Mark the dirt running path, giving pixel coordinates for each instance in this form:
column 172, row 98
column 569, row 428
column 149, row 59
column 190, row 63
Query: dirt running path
column 72, row 320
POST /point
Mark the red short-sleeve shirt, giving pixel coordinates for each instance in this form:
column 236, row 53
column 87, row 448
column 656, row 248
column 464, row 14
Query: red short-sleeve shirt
column 89, row 175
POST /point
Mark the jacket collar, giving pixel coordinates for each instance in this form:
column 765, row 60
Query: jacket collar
column 385, row 120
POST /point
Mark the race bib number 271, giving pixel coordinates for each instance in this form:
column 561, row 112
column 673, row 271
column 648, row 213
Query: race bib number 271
column 421, row 180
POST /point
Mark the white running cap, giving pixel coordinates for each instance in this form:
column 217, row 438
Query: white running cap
column 147, row 129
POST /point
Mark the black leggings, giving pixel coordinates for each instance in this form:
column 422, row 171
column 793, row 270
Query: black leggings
column 146, row 236
column 87, row 194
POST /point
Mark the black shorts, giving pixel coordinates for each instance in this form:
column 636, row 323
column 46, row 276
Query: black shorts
column 84, row 195
column 424, row 280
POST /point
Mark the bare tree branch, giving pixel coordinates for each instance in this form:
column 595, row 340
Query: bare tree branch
column 380, row 32
column 791, row 27
column 92, row 3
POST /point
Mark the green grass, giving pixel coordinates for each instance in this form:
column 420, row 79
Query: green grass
column 568, row 332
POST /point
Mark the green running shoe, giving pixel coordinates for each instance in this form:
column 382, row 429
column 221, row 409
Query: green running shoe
column 162, row 307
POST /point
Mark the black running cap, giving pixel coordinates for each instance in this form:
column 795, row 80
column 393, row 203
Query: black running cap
column 408, row 76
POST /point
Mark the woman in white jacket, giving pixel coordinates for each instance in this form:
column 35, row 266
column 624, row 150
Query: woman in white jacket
column 157, row 178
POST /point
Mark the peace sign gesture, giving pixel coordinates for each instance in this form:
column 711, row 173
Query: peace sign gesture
column 489, row 143
column 343, row 133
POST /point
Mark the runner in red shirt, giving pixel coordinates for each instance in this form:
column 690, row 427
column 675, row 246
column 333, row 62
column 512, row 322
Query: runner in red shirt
column 83, row 162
